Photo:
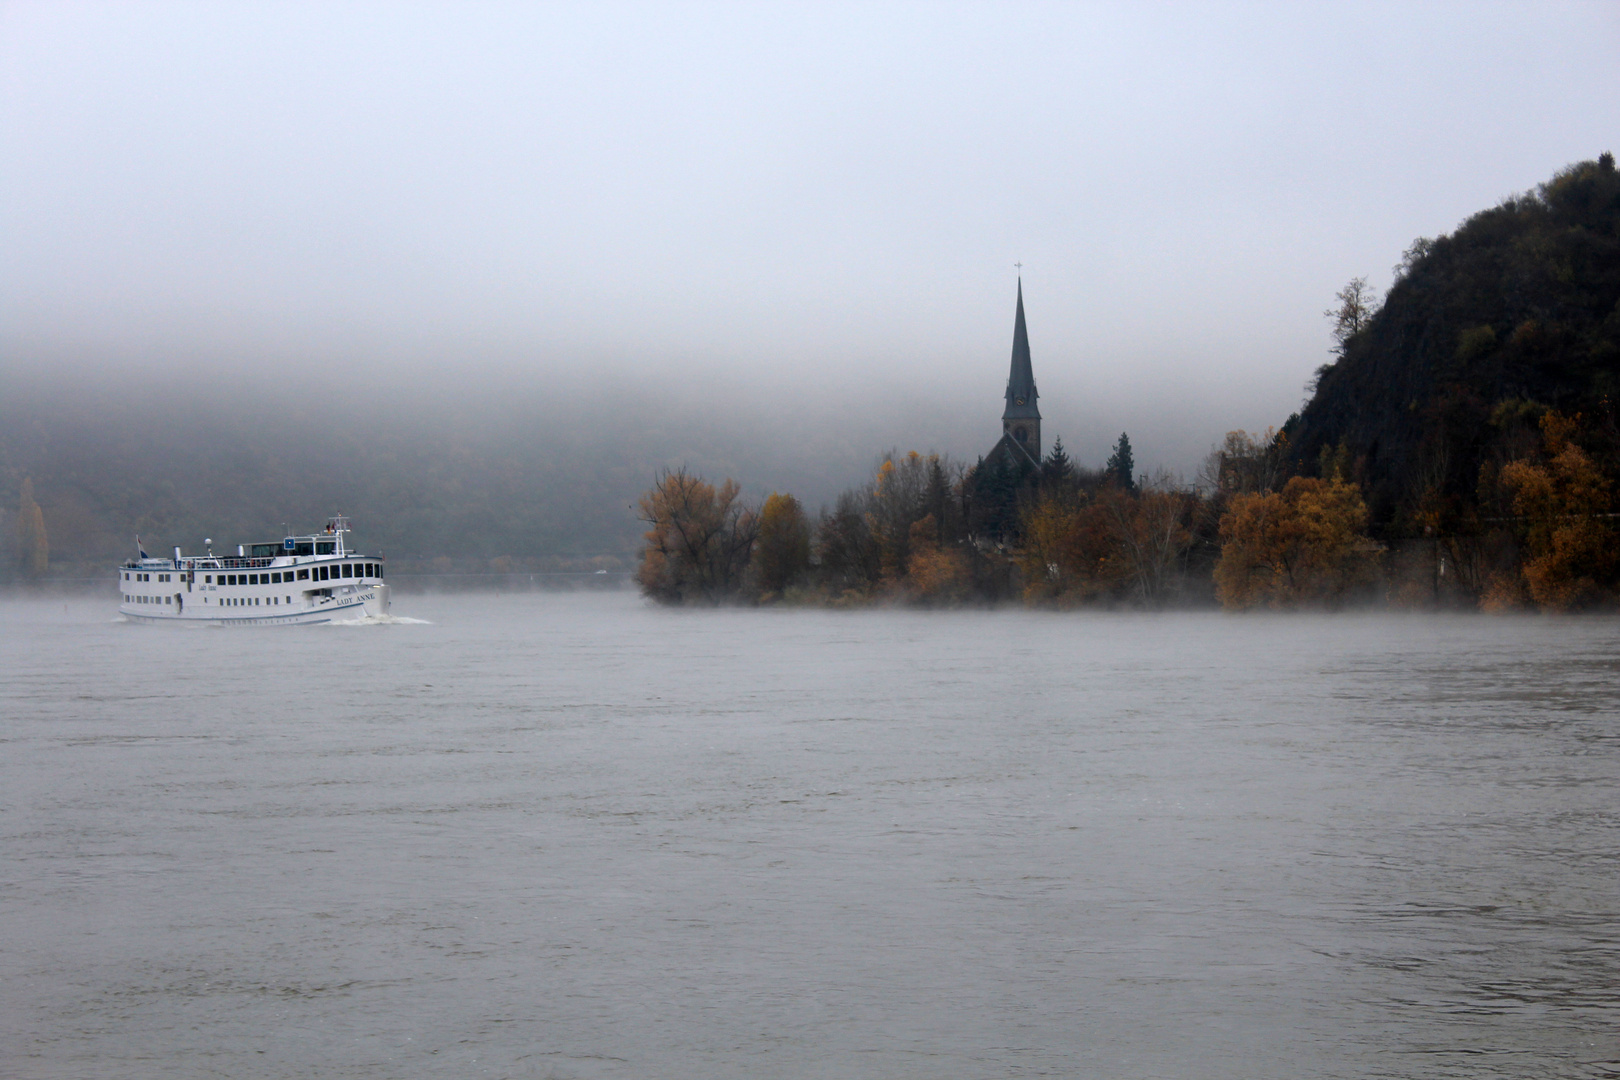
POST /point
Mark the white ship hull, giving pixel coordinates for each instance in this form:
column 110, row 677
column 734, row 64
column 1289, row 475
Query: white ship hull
column 354, row 602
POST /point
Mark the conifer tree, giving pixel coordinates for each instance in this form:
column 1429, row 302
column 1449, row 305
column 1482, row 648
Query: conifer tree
column 1121, row 467
column 1057, row 471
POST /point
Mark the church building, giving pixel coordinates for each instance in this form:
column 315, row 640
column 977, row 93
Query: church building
column 1020, row 443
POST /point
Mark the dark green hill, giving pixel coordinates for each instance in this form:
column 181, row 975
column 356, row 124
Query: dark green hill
column 1516, row 312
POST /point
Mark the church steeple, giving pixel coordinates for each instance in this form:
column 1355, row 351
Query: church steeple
column 1022, row 419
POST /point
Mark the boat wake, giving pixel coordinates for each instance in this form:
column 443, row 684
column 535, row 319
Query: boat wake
column 381, row 620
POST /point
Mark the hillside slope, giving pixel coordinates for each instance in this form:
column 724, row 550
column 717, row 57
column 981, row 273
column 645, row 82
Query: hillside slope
column 1515, row 313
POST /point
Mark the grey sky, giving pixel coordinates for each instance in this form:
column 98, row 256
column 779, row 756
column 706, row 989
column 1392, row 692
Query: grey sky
column 804, row 203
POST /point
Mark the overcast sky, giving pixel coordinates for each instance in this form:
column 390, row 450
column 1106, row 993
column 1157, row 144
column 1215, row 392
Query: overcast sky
column 794, row 205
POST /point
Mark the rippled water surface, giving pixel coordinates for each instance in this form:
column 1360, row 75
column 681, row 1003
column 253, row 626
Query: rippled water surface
column 569, row 836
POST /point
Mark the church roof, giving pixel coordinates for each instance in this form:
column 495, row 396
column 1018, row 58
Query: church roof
column 1015, row 453
column 1021, row 392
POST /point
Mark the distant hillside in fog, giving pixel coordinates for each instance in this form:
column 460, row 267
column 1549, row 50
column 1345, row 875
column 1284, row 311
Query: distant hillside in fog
column 493, row 480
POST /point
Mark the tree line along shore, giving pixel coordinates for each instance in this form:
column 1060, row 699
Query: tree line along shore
column 1460, row 452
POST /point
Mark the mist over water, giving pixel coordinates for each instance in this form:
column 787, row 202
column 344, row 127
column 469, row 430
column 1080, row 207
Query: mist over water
column 566, row 835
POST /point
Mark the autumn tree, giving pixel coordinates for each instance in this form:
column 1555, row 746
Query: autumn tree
column 1305, row 544
column 1071, row 550
column 700, row 541
column 847, row 555
column 32, row 546
column 1152, row 532
column 866, row 543
column 1562, row 501
column 937, row 573
column 1245, row 462
column 782, row 552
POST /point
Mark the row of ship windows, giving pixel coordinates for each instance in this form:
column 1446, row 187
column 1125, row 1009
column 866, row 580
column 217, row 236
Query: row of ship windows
column 321, row 573
column 244, row 601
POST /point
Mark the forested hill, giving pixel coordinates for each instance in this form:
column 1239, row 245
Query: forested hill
column 1483, row 332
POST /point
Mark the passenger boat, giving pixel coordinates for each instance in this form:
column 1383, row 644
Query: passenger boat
column 299, row 580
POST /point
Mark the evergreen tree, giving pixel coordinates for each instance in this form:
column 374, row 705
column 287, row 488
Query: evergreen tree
column 936, row 502
column 1121, row 467
column 1057, row 471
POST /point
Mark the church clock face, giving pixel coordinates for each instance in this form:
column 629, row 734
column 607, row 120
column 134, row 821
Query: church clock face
column 1020, row 401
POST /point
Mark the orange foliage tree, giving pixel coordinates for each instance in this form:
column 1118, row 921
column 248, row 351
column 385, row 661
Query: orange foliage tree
column 1112, row 544
column 700, row 541
column 1305, row 544
column 1562, row 502
column 936, row 573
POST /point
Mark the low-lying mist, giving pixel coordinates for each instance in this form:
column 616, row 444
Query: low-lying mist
column 471, row 464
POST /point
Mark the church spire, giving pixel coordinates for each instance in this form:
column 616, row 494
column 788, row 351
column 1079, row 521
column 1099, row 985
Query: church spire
column 1022, row 419
column 1021, row 392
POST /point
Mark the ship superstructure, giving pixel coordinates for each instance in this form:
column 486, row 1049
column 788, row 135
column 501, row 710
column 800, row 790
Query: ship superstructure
column 298, row 580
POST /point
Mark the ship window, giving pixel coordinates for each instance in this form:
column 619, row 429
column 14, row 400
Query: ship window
column 208, row 579
column 303, row 575
column 348, row 570
column 326, row 573
column 325, row 547
column 168, row 599
column 275, row 579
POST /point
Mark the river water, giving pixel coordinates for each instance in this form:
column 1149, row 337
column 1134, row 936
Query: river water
column 566, row 835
